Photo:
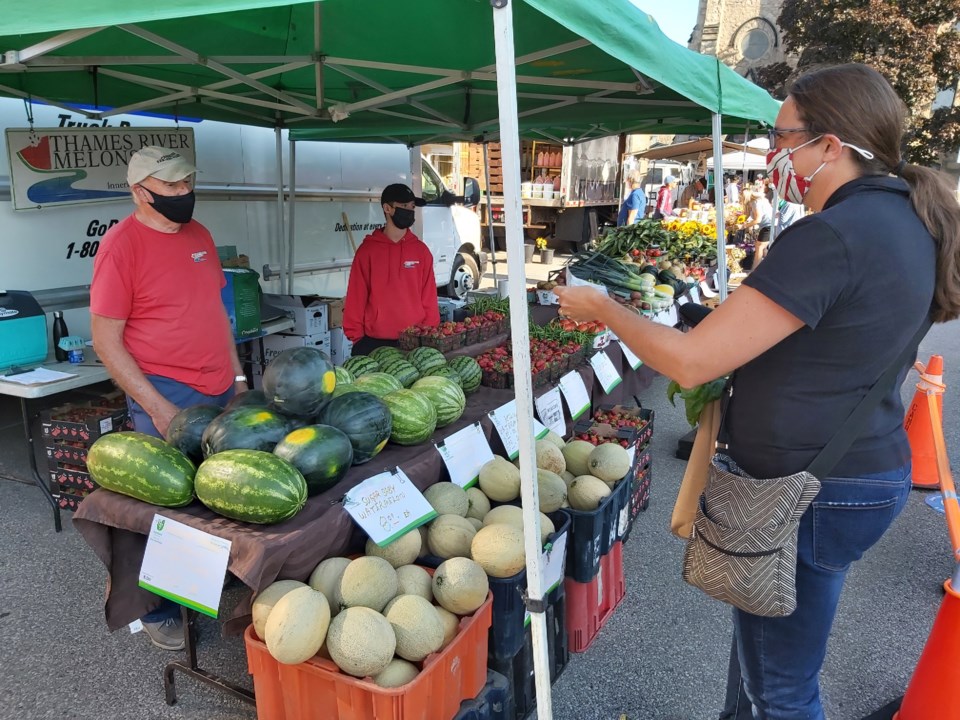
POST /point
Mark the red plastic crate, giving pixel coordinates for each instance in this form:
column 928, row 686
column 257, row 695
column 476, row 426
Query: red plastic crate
column 590, row 605
column 615, row 581
column 317, row 690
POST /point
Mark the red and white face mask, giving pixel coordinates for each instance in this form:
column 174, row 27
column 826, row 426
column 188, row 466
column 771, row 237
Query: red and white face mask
column 792, row 187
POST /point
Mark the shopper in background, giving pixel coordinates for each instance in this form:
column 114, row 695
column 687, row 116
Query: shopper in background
column 391, row 285
column 815, row 342
column 156, row 315
column 634, row 206
column 664, row 205
column 732, row 190
column 759, row 220
column 787, row 214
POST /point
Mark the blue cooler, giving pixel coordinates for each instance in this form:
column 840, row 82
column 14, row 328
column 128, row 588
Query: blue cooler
column 23, row 331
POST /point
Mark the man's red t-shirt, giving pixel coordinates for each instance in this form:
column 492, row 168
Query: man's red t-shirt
column 167, row 288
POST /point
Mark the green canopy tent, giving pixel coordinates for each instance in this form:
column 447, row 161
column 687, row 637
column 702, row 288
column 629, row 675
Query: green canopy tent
column 373, row 70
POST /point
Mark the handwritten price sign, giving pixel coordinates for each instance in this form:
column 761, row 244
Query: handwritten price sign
column 387, row 506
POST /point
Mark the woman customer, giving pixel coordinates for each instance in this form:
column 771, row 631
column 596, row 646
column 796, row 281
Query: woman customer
column 819, row 335
column 759, row 219
column 664, row 206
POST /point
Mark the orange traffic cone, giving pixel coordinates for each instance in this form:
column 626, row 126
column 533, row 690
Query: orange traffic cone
column 918, row 425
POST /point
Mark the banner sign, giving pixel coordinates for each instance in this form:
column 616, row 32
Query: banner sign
column 80, row 165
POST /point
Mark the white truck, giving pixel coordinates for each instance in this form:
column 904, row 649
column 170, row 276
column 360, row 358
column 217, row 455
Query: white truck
column 50, row 250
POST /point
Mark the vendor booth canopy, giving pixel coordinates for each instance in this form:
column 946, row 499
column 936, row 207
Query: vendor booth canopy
column 740, row 161
column 694, row 150
column 372, row 69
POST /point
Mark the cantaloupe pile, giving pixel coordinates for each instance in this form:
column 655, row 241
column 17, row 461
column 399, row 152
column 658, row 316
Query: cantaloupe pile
column 592, row 472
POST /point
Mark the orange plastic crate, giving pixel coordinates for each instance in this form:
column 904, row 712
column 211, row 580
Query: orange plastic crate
column 317, row 690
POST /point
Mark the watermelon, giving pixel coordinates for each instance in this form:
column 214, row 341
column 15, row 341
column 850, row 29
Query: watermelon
column 446, row 372
column 414, row 417
column 446, row 396
column 251, row 486
column 426, row 359
column 384, row 353
column 362, row 417
column 299, row 381
column 186, row 429
column 344, row 377
column 359, row 365
column 469, row 371
column 344, row 389
column 378, row 383
column 143, row 467
column 250, row 427
column 321, row 453
column 249, row 397
column 403, row 371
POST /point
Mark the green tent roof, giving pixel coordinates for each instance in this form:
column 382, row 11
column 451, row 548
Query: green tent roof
column 373, row 70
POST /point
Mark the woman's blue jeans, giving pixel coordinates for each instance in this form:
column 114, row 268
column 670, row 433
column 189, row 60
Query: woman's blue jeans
column 775, row 662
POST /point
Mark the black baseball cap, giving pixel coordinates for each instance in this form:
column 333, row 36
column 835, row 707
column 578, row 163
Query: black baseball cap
column 400, row 193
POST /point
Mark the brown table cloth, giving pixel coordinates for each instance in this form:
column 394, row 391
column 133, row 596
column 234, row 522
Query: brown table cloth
column 116, row 526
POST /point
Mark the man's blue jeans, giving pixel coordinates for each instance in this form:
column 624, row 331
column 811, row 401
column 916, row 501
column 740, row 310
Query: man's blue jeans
column 775, row 663
column 182, row 396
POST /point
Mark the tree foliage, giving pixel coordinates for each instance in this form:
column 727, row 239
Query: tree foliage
column 913, row 43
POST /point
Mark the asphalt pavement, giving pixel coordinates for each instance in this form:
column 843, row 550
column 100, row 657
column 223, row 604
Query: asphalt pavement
column 661, row 656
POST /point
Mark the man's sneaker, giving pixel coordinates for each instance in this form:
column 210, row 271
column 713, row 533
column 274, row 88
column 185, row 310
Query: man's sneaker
column 166, row 634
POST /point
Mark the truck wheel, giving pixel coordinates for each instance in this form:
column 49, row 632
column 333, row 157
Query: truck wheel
column 464, row 278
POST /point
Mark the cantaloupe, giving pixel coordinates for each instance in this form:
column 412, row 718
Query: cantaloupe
column 369, row 582
column 361, row 641
column 450, row 536
column 397, row 674
column 577, row 455
column 555, row 439
column 424, row 541
column 477, row 524
column 513, row 515
column 402, row 551
column 568, row 477
column 587, row 492
column 498, row 549
column 479, row 503
column 460, row 585
column 451, row 624
column 266, row 600
column 447, row 498
column 297, row 625
column 609, row 462
column 326, row 578
column 551, row 489
column 500, row 480
column 414, row 580
column 417, row 627
column 549, row 457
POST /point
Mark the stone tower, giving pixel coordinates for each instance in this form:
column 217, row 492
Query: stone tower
column 742, row 33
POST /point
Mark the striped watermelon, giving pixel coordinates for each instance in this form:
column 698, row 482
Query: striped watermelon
column 378, row 383
column 143, row 467
column 446, row 372
column 251, row 486
column 361, row 365
column 344, row 376
column 321, row 453
column 469, row 372
column 249, row 427
column 446, row 396
column 414, row 417
column 426, row 359
column 403, row 371
column 344, row 389
column 386, row 352
column 362, row 417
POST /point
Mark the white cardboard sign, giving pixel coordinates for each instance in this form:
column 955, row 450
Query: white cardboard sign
column 464, row 453
column 387, row 506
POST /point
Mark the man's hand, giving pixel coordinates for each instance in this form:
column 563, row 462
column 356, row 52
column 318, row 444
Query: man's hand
column 162, row 416
column 583, row 304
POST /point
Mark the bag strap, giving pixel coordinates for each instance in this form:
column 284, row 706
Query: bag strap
column 834, row 450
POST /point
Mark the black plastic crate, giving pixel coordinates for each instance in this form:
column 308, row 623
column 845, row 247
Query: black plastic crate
column 495, row 701
column 64, row 453
column 592, row 532
column 639, row 497
column 72, row 478
column 69, row 499
column 85, row 422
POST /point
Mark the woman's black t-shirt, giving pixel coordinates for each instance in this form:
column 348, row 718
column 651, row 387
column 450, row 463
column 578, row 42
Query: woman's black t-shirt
column 860, row 275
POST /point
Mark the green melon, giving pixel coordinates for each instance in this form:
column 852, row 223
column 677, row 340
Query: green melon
column 378, row 383
column 344, row 389
column 446, row 396
column 362, row 417
column 321, row 453
column 469, row 372
column 426, row 360
column 403, row 371
column 360, row 365
column 344, row 376
column 248, row 397
column 414, row 417
column 143, row 467
column 250, row 486
column 247, row 427
column 447, row 373
column 384, row 353
column 186, row 429
column 299, row 381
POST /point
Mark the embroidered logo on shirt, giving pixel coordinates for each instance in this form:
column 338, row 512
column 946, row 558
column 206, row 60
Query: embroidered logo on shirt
column 5, row 312
column 410, row 264
column 199, row 256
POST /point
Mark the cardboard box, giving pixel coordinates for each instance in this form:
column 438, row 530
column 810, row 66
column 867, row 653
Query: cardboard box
column 310, row 313
column 273, row 345
column 340, row 347
column 334, row 312
column 241, row 298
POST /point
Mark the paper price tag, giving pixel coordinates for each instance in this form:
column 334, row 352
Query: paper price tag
column 185, row 565
column 606, row 373
column 695, row 294
column 634, row 361
column 550, row 409
column 575, row 393
column 504, row 419
column 551, row 567
column 464, row 453
column 387, row 506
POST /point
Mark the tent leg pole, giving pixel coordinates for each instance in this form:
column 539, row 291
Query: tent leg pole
column 510, row 153
column 292, row 213
column 278, row 136
column 718, row 190
column 493, row 242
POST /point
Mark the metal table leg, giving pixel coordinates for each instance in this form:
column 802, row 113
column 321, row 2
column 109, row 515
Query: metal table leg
column 190, row 667
column 38, row 479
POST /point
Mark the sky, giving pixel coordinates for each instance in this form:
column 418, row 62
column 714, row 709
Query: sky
column 676, row 18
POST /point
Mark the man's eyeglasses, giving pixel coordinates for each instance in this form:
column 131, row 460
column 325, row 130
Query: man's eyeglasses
column 774, row 134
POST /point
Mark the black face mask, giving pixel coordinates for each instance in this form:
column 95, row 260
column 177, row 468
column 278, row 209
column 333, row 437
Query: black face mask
column 403, row 218
column 175, row 208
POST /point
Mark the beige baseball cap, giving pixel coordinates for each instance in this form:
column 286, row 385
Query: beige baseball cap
column 162, row 163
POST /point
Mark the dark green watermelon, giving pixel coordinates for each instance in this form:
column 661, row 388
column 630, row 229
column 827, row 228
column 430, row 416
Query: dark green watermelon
column 362, row 417
column 186, row 429
column 248, row 427
column 299, row 382
column 248, row 397
column 321, row 453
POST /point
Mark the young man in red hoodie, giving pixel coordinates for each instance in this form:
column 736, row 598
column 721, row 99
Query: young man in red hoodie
column 391, row 285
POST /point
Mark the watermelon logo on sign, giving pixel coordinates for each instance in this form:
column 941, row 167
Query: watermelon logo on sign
column 160, row 524
column 38, row 157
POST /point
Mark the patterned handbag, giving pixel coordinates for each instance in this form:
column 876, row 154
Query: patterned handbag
column 743, row 549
